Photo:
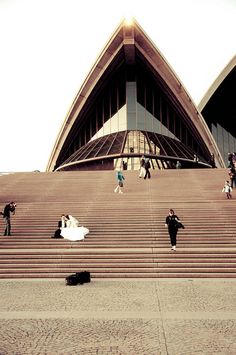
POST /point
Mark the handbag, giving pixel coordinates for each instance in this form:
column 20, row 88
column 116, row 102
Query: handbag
column 71, row 280
column 83, row 277
column 78, row 278
column 121, row 183
column 179, row 225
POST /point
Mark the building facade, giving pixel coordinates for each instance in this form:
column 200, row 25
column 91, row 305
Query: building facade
column 218, row 108
column 132, row 104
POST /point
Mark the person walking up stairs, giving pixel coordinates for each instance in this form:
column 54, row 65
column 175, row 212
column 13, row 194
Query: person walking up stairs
column 120, row 178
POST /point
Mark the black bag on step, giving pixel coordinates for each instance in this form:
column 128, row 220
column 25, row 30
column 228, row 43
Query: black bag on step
column 83, row 277
column 72, row 280
column 78, row 278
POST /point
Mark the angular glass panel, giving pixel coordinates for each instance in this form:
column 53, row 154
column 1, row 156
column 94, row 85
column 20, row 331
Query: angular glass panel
column 131, row 105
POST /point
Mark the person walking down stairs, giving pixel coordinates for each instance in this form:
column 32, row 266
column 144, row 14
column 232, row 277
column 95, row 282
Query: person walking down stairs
column 120, row 178
column 173, row 223
column 227, row 189
column 232, row 176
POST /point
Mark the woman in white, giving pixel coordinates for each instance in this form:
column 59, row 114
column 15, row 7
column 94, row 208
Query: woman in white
column 70, row 228
column 227, row 189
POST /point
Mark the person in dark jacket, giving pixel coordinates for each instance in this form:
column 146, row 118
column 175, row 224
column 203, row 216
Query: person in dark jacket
column 8, row 209
column 61, row 224
column 147, row 166
column 173, row 223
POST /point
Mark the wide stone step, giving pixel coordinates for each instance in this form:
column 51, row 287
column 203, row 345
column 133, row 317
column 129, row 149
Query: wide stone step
column 127, row 235
column 124, row 275
column 134, row 266
column 114, row 269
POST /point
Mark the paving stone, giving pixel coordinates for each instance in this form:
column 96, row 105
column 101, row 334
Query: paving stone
column 197, row 295
column 201, row 337
column 166, row 317
column 80, row 337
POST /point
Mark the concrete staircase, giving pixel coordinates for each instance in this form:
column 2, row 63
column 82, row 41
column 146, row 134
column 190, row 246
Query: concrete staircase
column 127, row 235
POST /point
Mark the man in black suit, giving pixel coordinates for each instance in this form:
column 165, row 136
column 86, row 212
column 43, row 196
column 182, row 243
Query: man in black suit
column 61, row 224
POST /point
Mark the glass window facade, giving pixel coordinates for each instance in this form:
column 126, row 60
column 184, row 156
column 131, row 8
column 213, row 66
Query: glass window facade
column 132, row 102
column 220, row 115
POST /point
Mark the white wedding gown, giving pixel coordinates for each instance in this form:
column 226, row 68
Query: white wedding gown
column 73, row 234
column 72, row 231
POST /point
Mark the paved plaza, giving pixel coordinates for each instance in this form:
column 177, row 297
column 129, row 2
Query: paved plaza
column 133, row 317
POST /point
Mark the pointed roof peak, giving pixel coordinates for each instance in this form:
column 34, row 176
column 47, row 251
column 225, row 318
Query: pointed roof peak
column 129, row 45
column 128, row 22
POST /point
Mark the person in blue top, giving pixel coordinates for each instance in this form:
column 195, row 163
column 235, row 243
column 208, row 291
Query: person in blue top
column 120, row 178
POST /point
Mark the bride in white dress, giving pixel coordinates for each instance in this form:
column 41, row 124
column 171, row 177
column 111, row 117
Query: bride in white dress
column 70, row 228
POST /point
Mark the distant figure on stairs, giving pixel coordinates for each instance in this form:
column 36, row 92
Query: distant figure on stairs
column 142, row 171
column 178, row 165
column 120, row 178
column 147, row 166
column 227, row 189
column 70, row 229
column 173, row 223
column 195, row 158
column 232, row 176
column 212, row 161
column 8, row 209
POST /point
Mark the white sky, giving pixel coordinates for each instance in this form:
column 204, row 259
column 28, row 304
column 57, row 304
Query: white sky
column 47, row 48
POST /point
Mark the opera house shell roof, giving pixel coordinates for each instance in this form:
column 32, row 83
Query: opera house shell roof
column 133, row 104
column 218, row 108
